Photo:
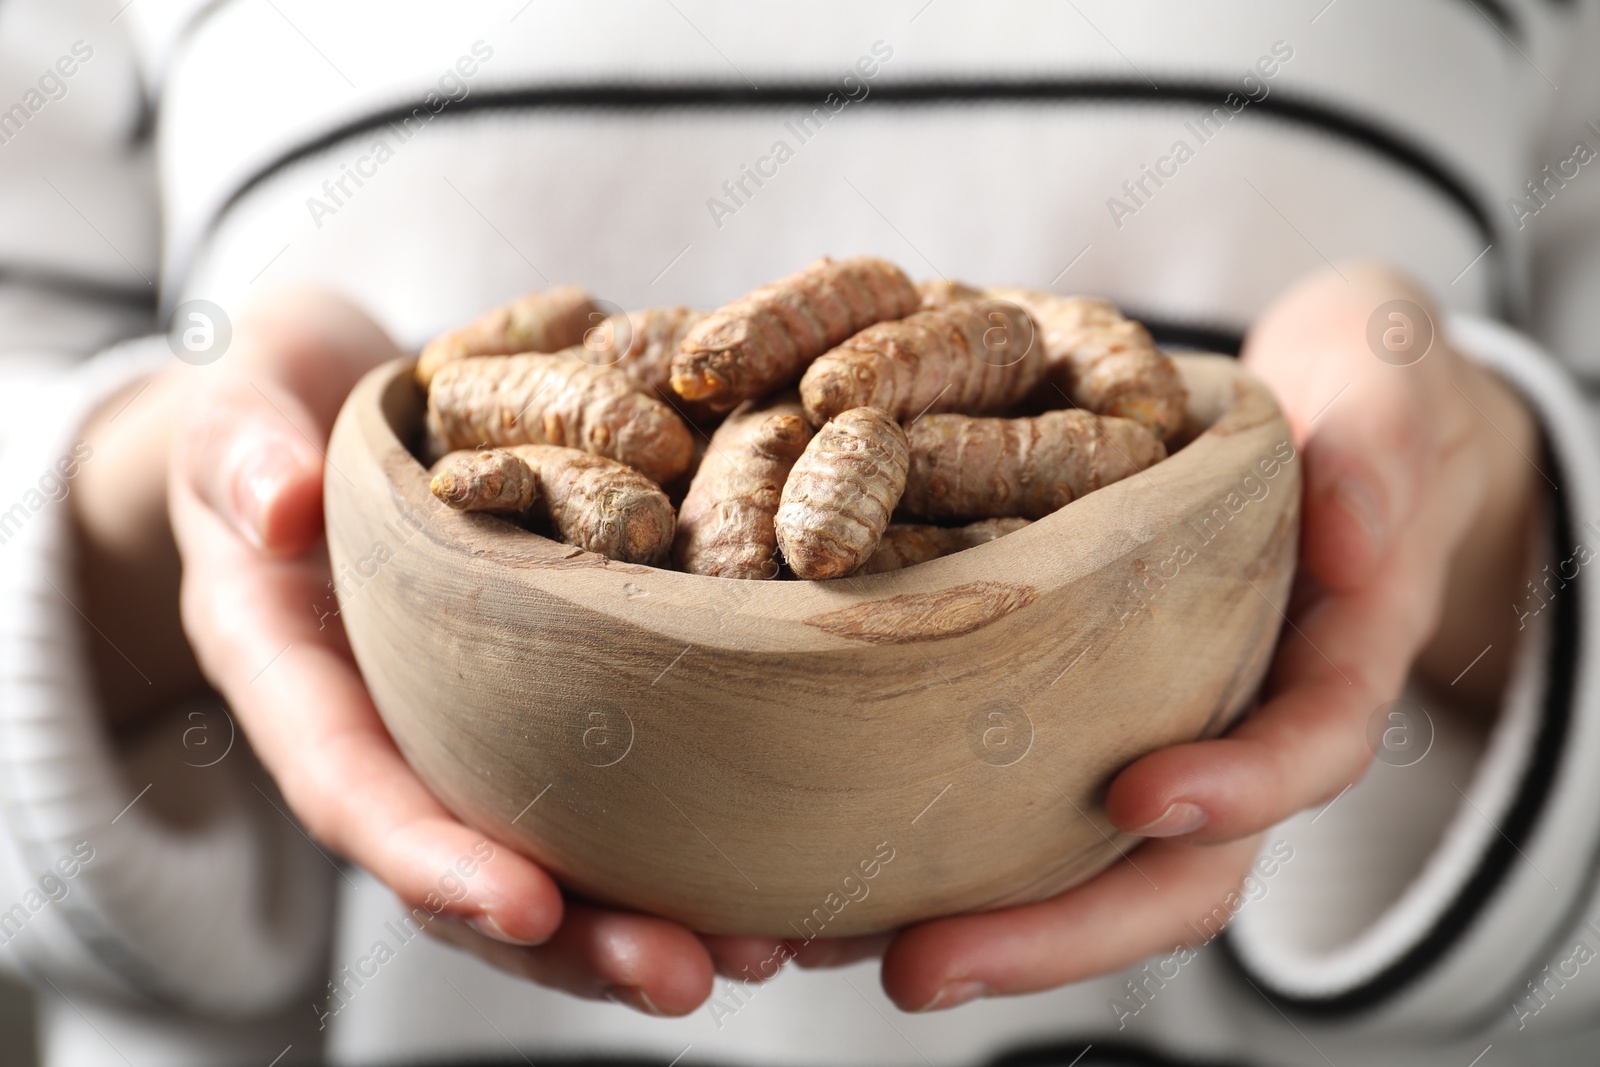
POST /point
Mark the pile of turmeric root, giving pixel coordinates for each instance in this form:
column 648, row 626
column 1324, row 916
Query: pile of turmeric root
column 927, row 419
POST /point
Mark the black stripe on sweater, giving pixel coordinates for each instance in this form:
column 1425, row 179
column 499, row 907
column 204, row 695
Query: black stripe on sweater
column 1079, row 1053
column 1364, row 132
column 140, row 298
column 1498, row 15
column 1099, row 1054
column 1196, row 336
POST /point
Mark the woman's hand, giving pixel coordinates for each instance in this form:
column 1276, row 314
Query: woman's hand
column 246, row 504
column 1420, row 487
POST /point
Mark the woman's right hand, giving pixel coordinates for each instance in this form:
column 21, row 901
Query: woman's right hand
column 245, row 492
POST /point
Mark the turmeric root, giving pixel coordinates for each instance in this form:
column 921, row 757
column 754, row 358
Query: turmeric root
column 906, row 544
column 592, row 502
column 725, row 527
column 641, row 344
column 1105, row 362
column 496, row 480
column 967, row 468
column 763, row 341
column 546, row 321
column 939, row 292
column 973, row 357
column 557, row 399
column 840, row 494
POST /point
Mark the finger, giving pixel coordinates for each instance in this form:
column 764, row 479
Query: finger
column 1165, row 895
column 1347, row 655
column 254, row 449
column 252, row 454
column 307, row 714
column 1363, row 464
column 650, row 964
column 749, row 959
column 840, row 951
column 247, row 474
column 1370, row 428
column 313, row 343
column 759, row 959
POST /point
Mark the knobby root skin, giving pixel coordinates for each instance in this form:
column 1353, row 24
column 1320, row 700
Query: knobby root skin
column 941, row 292
column 1103, row 361
column 906, row 544
column 763, row 341
column 557, row 399
column 841, row 493
column 588, row 500
column 965, row 468
column 547, row 407
column 726, row 524
column 976, row 357
column 641, row 344
column 494, row 480
column 545, row 321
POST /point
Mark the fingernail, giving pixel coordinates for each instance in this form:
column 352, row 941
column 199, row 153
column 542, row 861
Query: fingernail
column 1358, row 497
column 955, row 994
column 261, row 477
column 1179, row 818
column 487, row 925
column 633, row 998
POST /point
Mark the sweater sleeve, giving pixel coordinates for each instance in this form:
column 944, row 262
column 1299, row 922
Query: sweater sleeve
column 1430, row 892
column 164, row 868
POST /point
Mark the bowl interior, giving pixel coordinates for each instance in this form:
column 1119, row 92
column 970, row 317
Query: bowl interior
column 1213, row 397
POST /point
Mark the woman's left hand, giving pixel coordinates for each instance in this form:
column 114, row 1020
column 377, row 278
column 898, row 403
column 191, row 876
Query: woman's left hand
column 1420, row 486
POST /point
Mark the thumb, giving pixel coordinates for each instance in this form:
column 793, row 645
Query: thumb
column 254, row 449
column 252, row 454
column 1367, row 429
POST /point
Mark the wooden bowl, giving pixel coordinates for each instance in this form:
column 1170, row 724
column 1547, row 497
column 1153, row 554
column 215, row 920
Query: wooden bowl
column 816, row 759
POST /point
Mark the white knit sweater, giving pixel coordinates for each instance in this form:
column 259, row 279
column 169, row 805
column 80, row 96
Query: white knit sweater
column 430, row 160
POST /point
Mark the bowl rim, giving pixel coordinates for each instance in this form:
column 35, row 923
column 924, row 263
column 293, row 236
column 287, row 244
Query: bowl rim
column 1052, row 551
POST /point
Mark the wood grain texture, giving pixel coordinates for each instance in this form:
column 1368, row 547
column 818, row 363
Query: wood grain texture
column 950, row 612
column 741, row 756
